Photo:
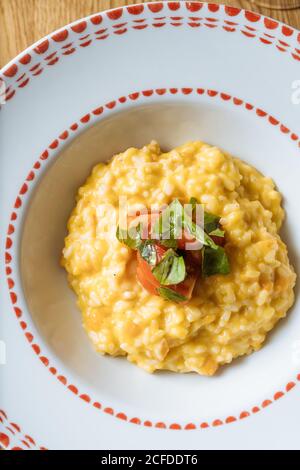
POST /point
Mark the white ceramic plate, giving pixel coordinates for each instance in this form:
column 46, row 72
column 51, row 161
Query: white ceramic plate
column 166, row 71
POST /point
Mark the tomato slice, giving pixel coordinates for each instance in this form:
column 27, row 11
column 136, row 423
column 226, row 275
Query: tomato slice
column 218, row 240
column 148, row 281
column 148, row 220
column 151, row 284
column 144, row 273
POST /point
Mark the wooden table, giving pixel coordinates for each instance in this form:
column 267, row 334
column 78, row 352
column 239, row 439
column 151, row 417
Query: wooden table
column 22, row 22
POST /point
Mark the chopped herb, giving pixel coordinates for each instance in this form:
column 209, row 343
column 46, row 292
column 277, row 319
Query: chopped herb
column 170, row 270
column 193, row 202
column 170, row 294
column 172, row 221
column 214, row 261
column 148, row 252
column 198, row 232
column 169, row 243
column 168, row 228
column 131, row 237
column 175, row 223
column 195, row 213
column 211, row 222
column 217, row 233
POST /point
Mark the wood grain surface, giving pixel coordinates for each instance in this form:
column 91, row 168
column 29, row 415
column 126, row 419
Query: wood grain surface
column 22, row 22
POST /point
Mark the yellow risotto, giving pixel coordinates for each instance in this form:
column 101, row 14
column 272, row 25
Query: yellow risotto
column 228, row 315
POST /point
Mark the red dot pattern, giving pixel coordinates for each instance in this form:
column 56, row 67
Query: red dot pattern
column 11, row 436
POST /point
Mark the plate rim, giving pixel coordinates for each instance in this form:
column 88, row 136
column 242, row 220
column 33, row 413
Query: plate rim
column 15, row 230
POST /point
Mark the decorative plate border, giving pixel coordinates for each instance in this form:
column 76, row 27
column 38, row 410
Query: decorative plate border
column 81, row 34
column 12, row 438
column 51, row 150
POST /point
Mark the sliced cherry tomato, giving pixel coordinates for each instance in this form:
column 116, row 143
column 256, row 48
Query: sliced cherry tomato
column 144, row 272
column 192, row 258
column 186, row 238
column 218, row 240
column 186, row 287
column 151, row 284
column 148, row 220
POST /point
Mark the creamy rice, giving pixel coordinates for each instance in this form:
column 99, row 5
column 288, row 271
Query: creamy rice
column 228, row 316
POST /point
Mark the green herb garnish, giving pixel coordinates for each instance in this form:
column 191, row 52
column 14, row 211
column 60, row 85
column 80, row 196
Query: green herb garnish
column 171, row 223
column 217, row 233
column 168, row 228
column 193, row 202
column 214, row 261
column 131, row 237
column 198, row 232
column 170, row 270
column 175, row 223
column 170, row 294
column 211, row 222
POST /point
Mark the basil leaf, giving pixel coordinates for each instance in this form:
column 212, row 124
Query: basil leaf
column 193, row 211
column 168, row 228
column 217, row 233
column 148, row 252
column 193, row 202
column 171, row 269
column 131, row 237
column 211, row 222
column 170, row 294
column 214, row 261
